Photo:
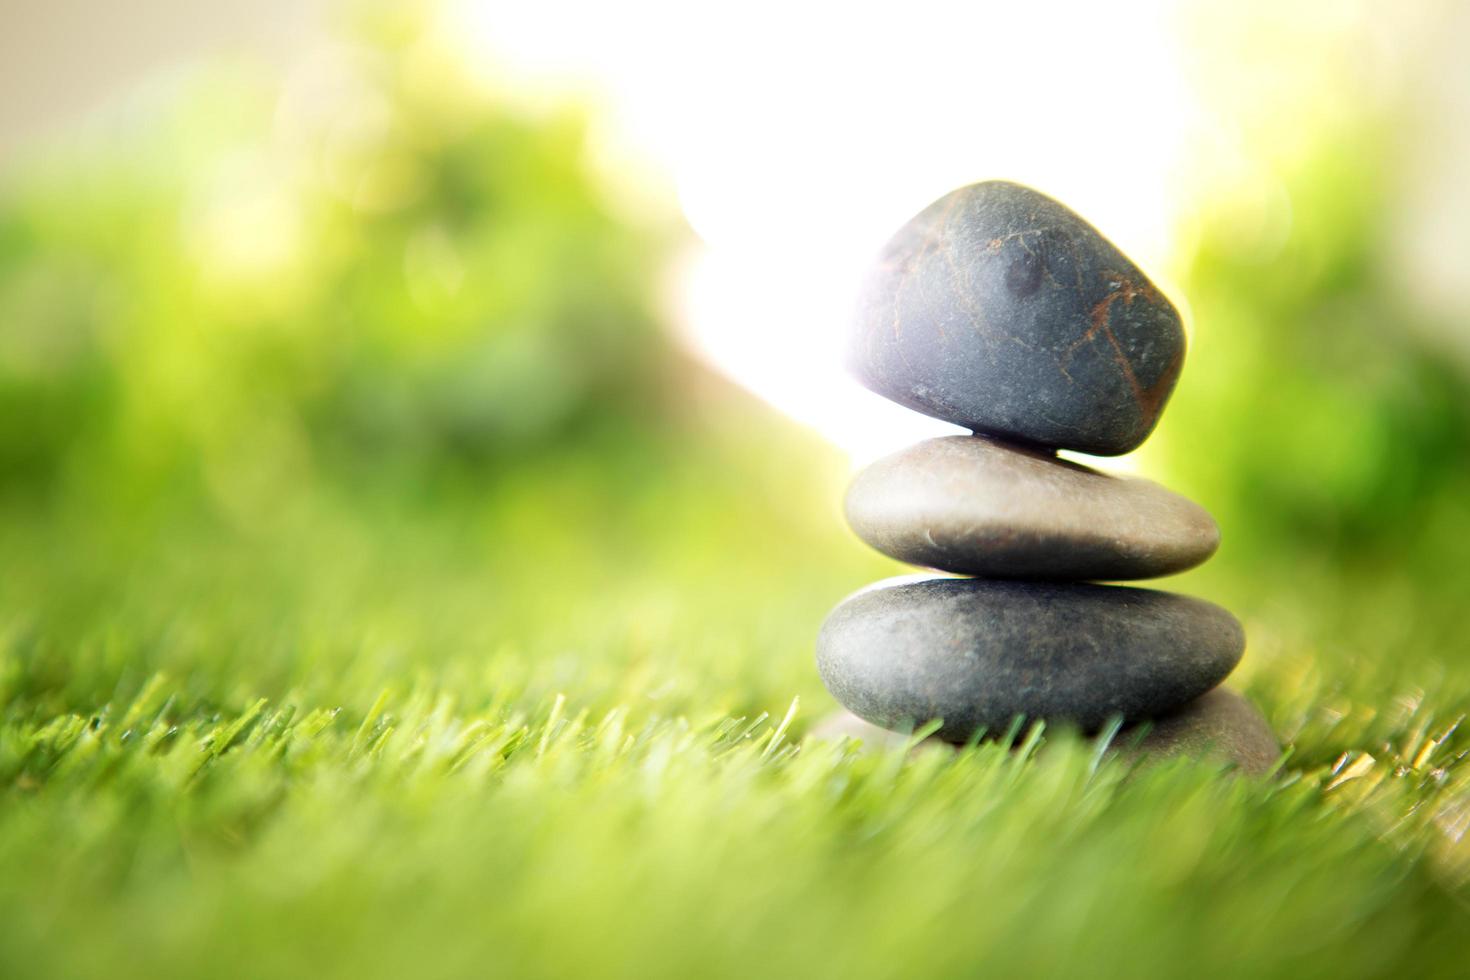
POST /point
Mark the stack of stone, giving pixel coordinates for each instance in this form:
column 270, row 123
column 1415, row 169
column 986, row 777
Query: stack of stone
column 1002, row 311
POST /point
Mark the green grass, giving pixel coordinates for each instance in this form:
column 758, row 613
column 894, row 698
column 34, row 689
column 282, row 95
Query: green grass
column 408, row 609
column 552, row 724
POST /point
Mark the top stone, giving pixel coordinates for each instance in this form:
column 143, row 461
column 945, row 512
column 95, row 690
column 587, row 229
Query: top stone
column 999, row 309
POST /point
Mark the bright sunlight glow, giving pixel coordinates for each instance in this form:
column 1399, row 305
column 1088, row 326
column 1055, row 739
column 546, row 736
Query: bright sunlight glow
column 795, row 155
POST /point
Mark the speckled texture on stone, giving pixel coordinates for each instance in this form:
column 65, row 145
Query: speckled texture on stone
column 971, row 505
column 978, row 652
column 999, row 309
column 1220, row 726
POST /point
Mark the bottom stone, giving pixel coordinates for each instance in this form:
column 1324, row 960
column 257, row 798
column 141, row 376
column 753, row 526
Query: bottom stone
column 1221, row 725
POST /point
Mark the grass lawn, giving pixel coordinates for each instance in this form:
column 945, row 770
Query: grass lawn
column 552, row 725
column 409, row 609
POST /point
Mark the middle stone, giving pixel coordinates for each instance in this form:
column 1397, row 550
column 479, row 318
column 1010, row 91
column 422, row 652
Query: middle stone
column 970, row 505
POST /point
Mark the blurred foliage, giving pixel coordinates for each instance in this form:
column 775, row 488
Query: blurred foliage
column 369, row 360
column 367, row 270
column 1325, row 420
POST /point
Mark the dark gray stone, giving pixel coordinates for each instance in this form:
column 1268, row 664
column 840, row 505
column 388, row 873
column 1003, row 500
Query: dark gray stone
column 999, row 309
column 976, row 653
column 1220, row 726
column 971, row 505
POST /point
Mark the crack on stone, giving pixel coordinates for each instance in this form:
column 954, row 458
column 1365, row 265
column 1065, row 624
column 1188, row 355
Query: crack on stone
column 1123, row 288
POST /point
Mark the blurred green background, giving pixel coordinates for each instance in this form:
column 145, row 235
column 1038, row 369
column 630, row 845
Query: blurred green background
column 443, row 463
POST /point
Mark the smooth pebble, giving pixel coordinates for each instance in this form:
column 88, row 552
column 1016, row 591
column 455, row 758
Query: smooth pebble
column 971, row 505
column 977, row 653
column 1001, row 310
